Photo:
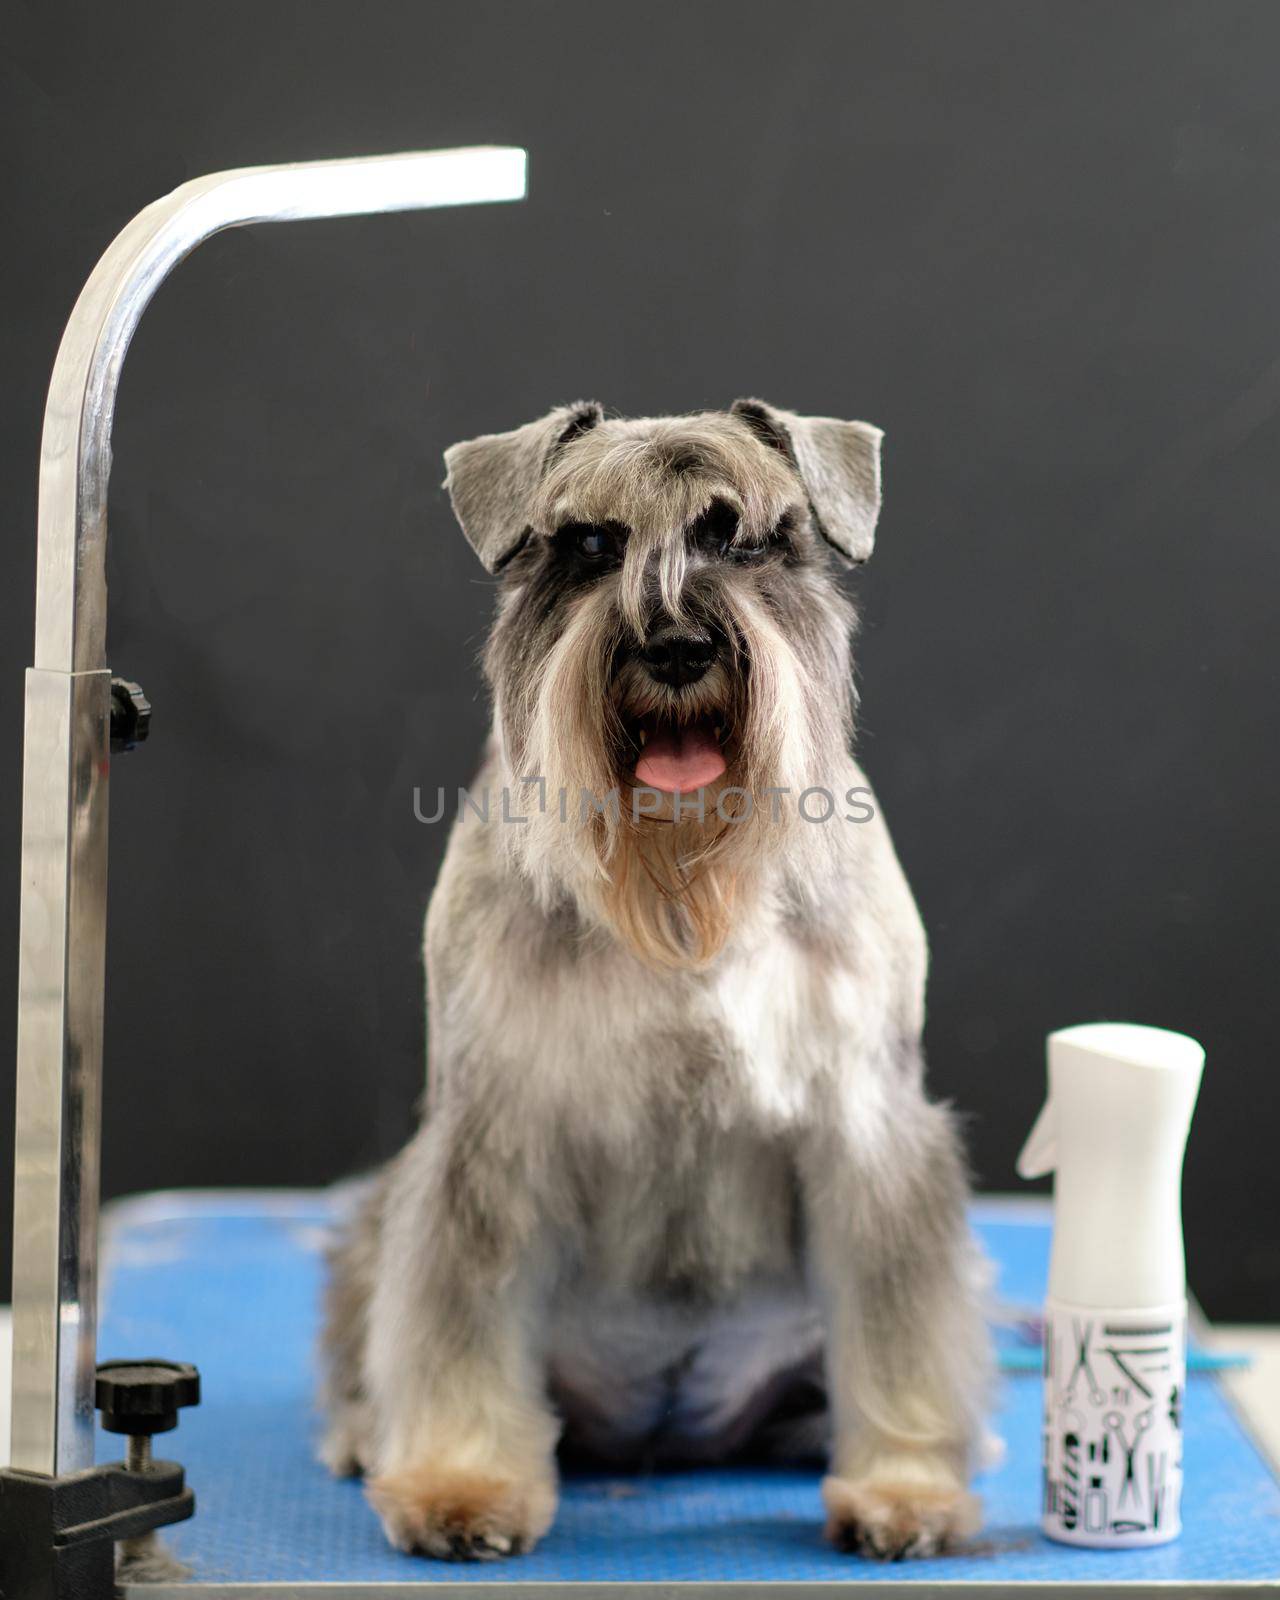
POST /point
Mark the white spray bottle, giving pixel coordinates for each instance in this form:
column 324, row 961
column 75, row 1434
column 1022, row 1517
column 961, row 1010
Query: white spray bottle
column 1114, row 1128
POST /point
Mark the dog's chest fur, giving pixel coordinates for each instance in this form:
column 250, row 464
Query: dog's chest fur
column 665, row 1104
column 662, row 1108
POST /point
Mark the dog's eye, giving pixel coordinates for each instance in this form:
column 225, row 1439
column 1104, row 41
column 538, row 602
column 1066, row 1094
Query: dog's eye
column 778, row 541
column 596, row 541
column 716, row 529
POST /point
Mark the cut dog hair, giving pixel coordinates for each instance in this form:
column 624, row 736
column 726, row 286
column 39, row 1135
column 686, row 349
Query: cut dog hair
column 679, row 1194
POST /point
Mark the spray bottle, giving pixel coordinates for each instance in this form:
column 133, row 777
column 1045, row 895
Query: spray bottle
column 1114, row 1128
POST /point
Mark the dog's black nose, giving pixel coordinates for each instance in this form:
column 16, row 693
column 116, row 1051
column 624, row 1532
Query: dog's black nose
column 676, row 655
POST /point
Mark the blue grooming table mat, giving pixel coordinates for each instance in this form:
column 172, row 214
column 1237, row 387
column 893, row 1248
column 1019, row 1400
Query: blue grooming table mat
column 232, row 1282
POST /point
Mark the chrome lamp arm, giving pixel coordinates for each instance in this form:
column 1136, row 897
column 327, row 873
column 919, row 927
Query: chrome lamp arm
column 66, row 754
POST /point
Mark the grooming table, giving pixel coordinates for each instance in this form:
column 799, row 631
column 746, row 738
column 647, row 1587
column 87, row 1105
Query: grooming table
column 231, row 1282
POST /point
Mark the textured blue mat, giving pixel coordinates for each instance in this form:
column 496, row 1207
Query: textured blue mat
column 232, row 1283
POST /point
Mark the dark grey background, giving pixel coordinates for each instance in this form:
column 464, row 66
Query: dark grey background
column 1038, row 243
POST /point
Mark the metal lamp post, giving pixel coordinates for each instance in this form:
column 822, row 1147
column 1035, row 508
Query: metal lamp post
column 67, row 755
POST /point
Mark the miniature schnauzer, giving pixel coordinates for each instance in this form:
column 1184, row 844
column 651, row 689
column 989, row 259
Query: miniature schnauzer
column 679, row 1195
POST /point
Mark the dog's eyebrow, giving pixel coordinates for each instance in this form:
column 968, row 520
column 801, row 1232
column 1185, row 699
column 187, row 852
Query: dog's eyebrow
column 685, row 458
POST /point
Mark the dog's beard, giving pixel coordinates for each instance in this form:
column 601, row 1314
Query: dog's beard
column 673, row 875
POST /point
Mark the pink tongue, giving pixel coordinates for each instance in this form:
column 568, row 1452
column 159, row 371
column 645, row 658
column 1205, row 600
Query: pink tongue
column 676, row 760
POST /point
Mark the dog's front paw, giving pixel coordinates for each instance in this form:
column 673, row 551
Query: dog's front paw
column 890, row 1521
column 462, row 1516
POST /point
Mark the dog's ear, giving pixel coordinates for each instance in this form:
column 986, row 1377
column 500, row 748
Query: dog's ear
column 492, row 480
column 839, row 465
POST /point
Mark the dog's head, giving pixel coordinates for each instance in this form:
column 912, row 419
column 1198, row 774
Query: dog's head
column 671, row 649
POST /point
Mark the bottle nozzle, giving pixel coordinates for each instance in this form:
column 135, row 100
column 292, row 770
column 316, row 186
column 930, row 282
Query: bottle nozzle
column 1039, row 1154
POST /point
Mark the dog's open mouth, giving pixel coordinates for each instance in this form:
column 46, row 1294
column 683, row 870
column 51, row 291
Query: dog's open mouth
column 679, row 756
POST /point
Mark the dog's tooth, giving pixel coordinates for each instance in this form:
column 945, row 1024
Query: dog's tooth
column 644, row 738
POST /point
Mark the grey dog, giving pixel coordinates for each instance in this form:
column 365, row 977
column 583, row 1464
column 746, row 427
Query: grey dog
column 679, row 1193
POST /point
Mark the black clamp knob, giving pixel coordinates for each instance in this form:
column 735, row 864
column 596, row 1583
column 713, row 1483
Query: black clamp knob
column 58, row 1535
column 130, row 715
column 143, row 1397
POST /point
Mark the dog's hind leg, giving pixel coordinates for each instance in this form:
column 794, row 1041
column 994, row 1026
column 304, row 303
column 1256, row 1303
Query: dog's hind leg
column 464, row 1438
column 352, row 1259
column 907, row 1351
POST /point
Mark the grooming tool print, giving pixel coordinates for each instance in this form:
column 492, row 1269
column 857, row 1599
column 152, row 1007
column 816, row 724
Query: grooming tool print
column 1113, row 1425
